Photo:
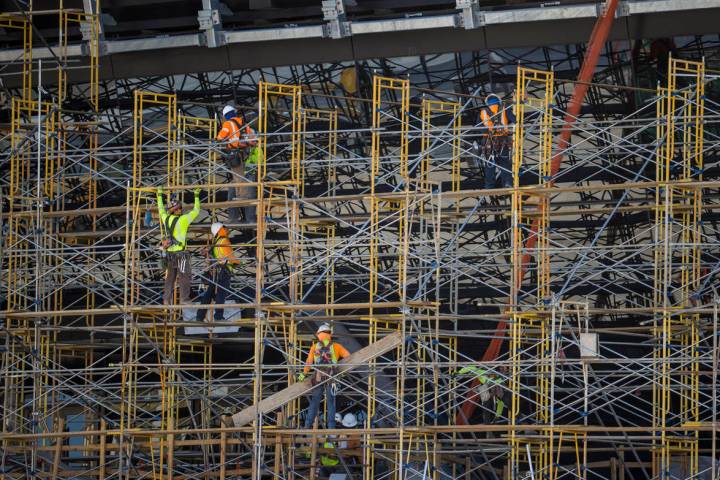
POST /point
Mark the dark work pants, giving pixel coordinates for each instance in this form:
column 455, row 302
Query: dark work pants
column 317, row 394
column 498, row 159
column 488, row 414
column 178, row 267
column 249, row 193
column 217, row 288
column 236, row 162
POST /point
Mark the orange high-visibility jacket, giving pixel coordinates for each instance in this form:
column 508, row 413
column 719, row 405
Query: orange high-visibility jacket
column 235, row 135
column 338, row 350
column 487, row 119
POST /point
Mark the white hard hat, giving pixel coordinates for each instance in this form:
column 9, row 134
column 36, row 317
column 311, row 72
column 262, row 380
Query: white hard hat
column 324, row 328
column 228, row 109
column 215, row 227
column 349, row 420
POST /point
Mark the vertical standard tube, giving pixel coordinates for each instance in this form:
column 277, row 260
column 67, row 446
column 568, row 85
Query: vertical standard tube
column 597, row 40
column 38, row 274
column 714, row 387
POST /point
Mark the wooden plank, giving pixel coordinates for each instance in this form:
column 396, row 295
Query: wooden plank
column 278, row 448
column 314, row 451
column 103, row 445
column 170, row 449
column 58, row 449
column 299, row 389
column 223, row 450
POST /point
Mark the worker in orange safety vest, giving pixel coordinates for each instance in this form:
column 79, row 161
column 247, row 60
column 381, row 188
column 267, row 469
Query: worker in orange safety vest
column 240, row 143
column 495, row 142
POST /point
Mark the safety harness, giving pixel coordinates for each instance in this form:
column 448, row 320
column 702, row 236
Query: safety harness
column 169, row 240
column 325, row 362
column 213, row 251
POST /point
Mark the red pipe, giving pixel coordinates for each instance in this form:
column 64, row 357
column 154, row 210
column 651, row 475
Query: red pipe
column 598, row 37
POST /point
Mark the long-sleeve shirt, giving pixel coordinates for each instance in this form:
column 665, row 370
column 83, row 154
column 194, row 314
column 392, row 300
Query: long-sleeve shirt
column 236, row 135
column 179, row 233
column 486, row 382
column 338, row 350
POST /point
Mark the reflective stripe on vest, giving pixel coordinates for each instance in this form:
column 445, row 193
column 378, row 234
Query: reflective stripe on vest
column 487, row 120
column 499, row 407
column 235, row 138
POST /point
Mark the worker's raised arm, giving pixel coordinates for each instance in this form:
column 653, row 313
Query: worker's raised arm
column 465, row 370
column 161, row 205
column 193, row 214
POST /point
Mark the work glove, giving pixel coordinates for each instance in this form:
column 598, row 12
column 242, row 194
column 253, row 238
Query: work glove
column 160, row 191
column 197, row 192
column 301, row 377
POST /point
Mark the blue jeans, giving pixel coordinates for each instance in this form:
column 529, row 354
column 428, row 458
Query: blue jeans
column 315, row 400
column 218, row 286
column 500, row 159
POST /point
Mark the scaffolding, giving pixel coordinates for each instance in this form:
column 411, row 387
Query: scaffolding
column 602, row 267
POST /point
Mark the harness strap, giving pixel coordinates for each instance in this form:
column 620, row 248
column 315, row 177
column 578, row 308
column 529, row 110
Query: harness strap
column 170, row 227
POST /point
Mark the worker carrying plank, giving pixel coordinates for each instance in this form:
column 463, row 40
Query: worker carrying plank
column 322, row 359
column 305, row 386
column 173, row 244
column 241, row 156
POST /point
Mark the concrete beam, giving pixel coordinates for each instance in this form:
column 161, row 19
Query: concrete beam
column 295, row 45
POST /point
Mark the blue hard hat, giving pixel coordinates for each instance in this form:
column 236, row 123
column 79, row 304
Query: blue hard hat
column 173, row 202
column 493, row 99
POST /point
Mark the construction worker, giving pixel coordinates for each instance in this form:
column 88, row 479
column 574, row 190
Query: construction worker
column 240, row 142
column 488, row 389
column 328, row 459
column 177, row 263
column 496, row 141
column 349, row 421
column 322, row 358
column 222, row 265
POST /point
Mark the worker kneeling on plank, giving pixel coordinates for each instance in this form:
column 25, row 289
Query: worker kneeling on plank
column 177, row 260
column 329, row 459
column 222, row 265
column 491, row 394
column 322, row 359
column 241, row 157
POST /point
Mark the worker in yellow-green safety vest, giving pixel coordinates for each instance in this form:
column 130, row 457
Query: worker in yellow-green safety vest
column 175, row 226
column 489, row 389
column 327, row 459
column 322, row 358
